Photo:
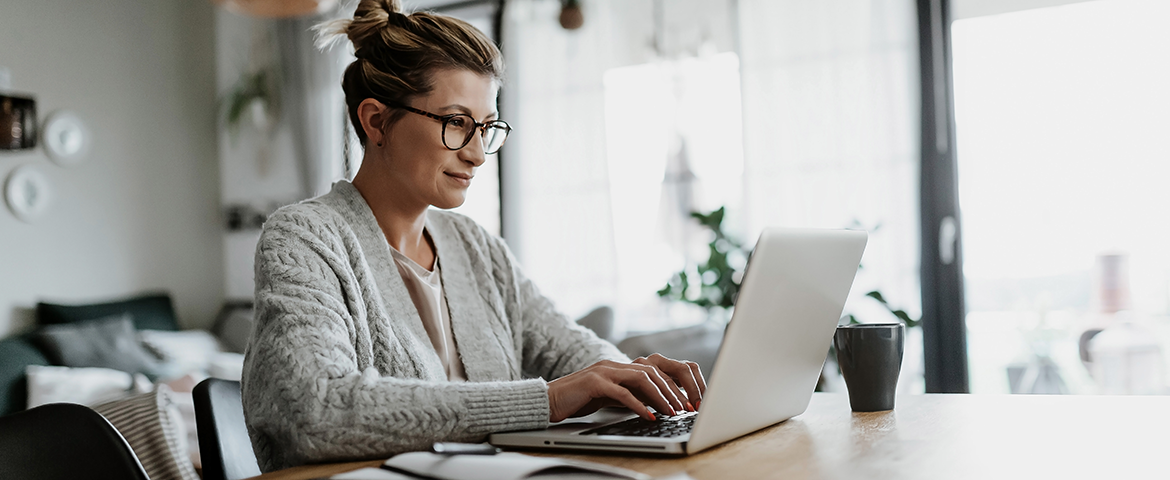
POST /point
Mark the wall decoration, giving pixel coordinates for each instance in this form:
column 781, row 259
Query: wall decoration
column 66, row 138
column 18, row 123
column 28, row 193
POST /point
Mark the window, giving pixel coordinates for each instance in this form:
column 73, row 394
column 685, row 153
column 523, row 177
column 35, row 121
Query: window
column 1061, row 123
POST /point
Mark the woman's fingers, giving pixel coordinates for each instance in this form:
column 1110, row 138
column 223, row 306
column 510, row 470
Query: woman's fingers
column 638, row 382
column 669, row 388
column 633, row 385
column 628, row 399
column 698, row 375
column 685, row 374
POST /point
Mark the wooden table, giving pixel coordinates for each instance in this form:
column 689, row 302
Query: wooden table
column 928, row 437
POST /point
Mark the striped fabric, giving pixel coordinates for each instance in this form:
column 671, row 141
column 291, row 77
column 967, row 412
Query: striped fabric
column 151, row 424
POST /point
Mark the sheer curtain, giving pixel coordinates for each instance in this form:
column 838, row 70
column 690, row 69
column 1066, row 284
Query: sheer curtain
column 314, row 101
column 558, row 216
column 831, row 129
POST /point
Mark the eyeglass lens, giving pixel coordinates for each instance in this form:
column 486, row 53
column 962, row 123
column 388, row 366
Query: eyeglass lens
column 458, row 130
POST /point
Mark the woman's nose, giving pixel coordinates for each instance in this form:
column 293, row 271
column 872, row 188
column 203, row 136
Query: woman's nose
column 473, row 151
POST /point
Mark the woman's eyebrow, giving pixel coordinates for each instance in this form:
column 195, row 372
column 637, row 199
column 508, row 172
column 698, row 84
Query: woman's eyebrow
column 463, row 109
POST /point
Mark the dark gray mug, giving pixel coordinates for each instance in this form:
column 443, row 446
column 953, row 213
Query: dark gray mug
column 870, row 356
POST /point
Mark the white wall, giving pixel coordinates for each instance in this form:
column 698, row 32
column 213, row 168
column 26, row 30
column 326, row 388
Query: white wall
column 142, row 213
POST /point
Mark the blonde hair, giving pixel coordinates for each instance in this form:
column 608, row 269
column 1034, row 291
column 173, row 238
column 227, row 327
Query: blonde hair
column 397, row 54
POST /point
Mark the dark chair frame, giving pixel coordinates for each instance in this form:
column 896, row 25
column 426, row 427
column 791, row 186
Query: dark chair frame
column 60, row 441
column 225, row 450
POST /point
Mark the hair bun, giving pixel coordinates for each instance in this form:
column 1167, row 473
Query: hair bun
column 369, row 20
column 390, row 6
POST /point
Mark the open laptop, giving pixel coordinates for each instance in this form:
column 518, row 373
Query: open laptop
column 792, row 297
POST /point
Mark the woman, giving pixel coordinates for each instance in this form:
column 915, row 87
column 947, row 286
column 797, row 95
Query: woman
column 383, row 325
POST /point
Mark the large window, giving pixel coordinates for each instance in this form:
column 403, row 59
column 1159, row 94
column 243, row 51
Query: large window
column 1061, row 121
column 788, row 113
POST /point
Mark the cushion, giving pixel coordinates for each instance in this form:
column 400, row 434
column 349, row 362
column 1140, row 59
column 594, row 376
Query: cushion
column 153, row 312
column 153, row 428
column 16, row 354
column 107, row 342
column 188, row 350
column 86, row 386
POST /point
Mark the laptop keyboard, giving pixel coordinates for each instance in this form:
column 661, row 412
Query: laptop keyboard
column 665, row 426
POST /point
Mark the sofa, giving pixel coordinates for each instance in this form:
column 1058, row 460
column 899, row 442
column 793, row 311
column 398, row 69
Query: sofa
column 129, row 360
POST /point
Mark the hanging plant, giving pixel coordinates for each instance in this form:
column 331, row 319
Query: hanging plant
column 571, row 15
column 255, row 94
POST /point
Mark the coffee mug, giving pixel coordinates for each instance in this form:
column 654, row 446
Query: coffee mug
column 870, row 356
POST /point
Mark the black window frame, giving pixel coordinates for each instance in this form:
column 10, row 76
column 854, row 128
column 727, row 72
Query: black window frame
column 944, row 331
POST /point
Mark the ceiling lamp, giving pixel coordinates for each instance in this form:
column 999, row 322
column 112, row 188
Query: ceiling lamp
column 276, row 8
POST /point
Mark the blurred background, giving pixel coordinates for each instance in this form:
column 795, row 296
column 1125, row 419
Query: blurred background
column 1009, row 159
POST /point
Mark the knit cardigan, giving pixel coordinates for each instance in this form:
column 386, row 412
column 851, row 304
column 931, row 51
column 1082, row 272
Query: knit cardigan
column 339, row 365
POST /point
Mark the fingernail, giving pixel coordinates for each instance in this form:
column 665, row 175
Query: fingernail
column 651, row 414
column 689, row 407
column 697, row 404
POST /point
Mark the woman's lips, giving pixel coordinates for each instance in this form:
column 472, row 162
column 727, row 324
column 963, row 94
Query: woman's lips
column 463, row 179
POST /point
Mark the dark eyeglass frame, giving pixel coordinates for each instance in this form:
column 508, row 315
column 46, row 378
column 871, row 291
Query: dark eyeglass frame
column 477, row 126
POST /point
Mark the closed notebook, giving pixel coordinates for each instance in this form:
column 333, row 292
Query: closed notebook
column 503, row 466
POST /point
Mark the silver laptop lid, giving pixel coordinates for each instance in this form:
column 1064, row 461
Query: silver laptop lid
column 793, row 294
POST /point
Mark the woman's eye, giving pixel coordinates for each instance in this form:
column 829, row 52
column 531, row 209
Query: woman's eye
column 457, row 122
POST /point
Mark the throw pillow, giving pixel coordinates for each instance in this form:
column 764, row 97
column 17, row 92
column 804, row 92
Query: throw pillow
column 187, row 350
column 152, row 426
column 153, row 311
column 86, row 386
column 108, row 342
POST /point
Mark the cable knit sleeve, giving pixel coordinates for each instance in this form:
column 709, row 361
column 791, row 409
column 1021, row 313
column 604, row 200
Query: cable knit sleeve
column 312, row 390
column 553, row 345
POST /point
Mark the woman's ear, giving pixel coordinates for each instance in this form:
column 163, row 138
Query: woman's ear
column 373, row 115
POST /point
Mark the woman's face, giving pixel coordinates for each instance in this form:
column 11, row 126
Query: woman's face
column 418, row 163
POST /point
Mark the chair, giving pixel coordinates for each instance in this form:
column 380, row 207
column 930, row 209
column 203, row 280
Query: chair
column 60, row 441
column 224, row 447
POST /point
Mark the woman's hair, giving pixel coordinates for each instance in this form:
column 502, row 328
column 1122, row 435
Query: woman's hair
column 398, row 53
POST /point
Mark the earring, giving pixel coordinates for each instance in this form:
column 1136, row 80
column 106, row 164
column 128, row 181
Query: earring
column 379, row 144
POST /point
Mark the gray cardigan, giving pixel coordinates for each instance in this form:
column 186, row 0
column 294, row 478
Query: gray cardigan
column 339, row 366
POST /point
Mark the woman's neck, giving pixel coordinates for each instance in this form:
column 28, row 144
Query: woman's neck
column 401, row 220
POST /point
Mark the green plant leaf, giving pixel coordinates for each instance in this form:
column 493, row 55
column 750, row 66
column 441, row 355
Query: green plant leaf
column 901, row 314
column 876, row 295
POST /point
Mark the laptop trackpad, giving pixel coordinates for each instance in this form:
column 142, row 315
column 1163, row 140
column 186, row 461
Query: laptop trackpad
column 596, row 419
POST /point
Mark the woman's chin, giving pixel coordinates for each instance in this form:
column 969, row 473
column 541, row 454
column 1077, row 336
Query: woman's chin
column 451, row 201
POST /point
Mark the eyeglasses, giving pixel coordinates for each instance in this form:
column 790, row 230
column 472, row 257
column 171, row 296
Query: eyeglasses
column 458, row 128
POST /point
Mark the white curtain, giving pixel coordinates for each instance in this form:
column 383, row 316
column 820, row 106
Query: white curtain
column 314, row 102
column 831, row 130
column 557, row 204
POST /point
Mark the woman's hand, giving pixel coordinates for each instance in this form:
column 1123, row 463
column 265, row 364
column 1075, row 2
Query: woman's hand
column 656, row 381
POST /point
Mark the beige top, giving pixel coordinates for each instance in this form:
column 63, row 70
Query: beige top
column 426, row 290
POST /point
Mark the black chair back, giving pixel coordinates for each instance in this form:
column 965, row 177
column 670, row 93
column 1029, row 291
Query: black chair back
column 60, row 441
column 224, row 447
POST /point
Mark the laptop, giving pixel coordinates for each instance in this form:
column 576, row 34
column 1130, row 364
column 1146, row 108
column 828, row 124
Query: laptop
column 792, row 297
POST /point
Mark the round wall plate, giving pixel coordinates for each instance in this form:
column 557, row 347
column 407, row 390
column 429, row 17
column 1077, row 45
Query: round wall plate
column 66, row 138
column 28, row 193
